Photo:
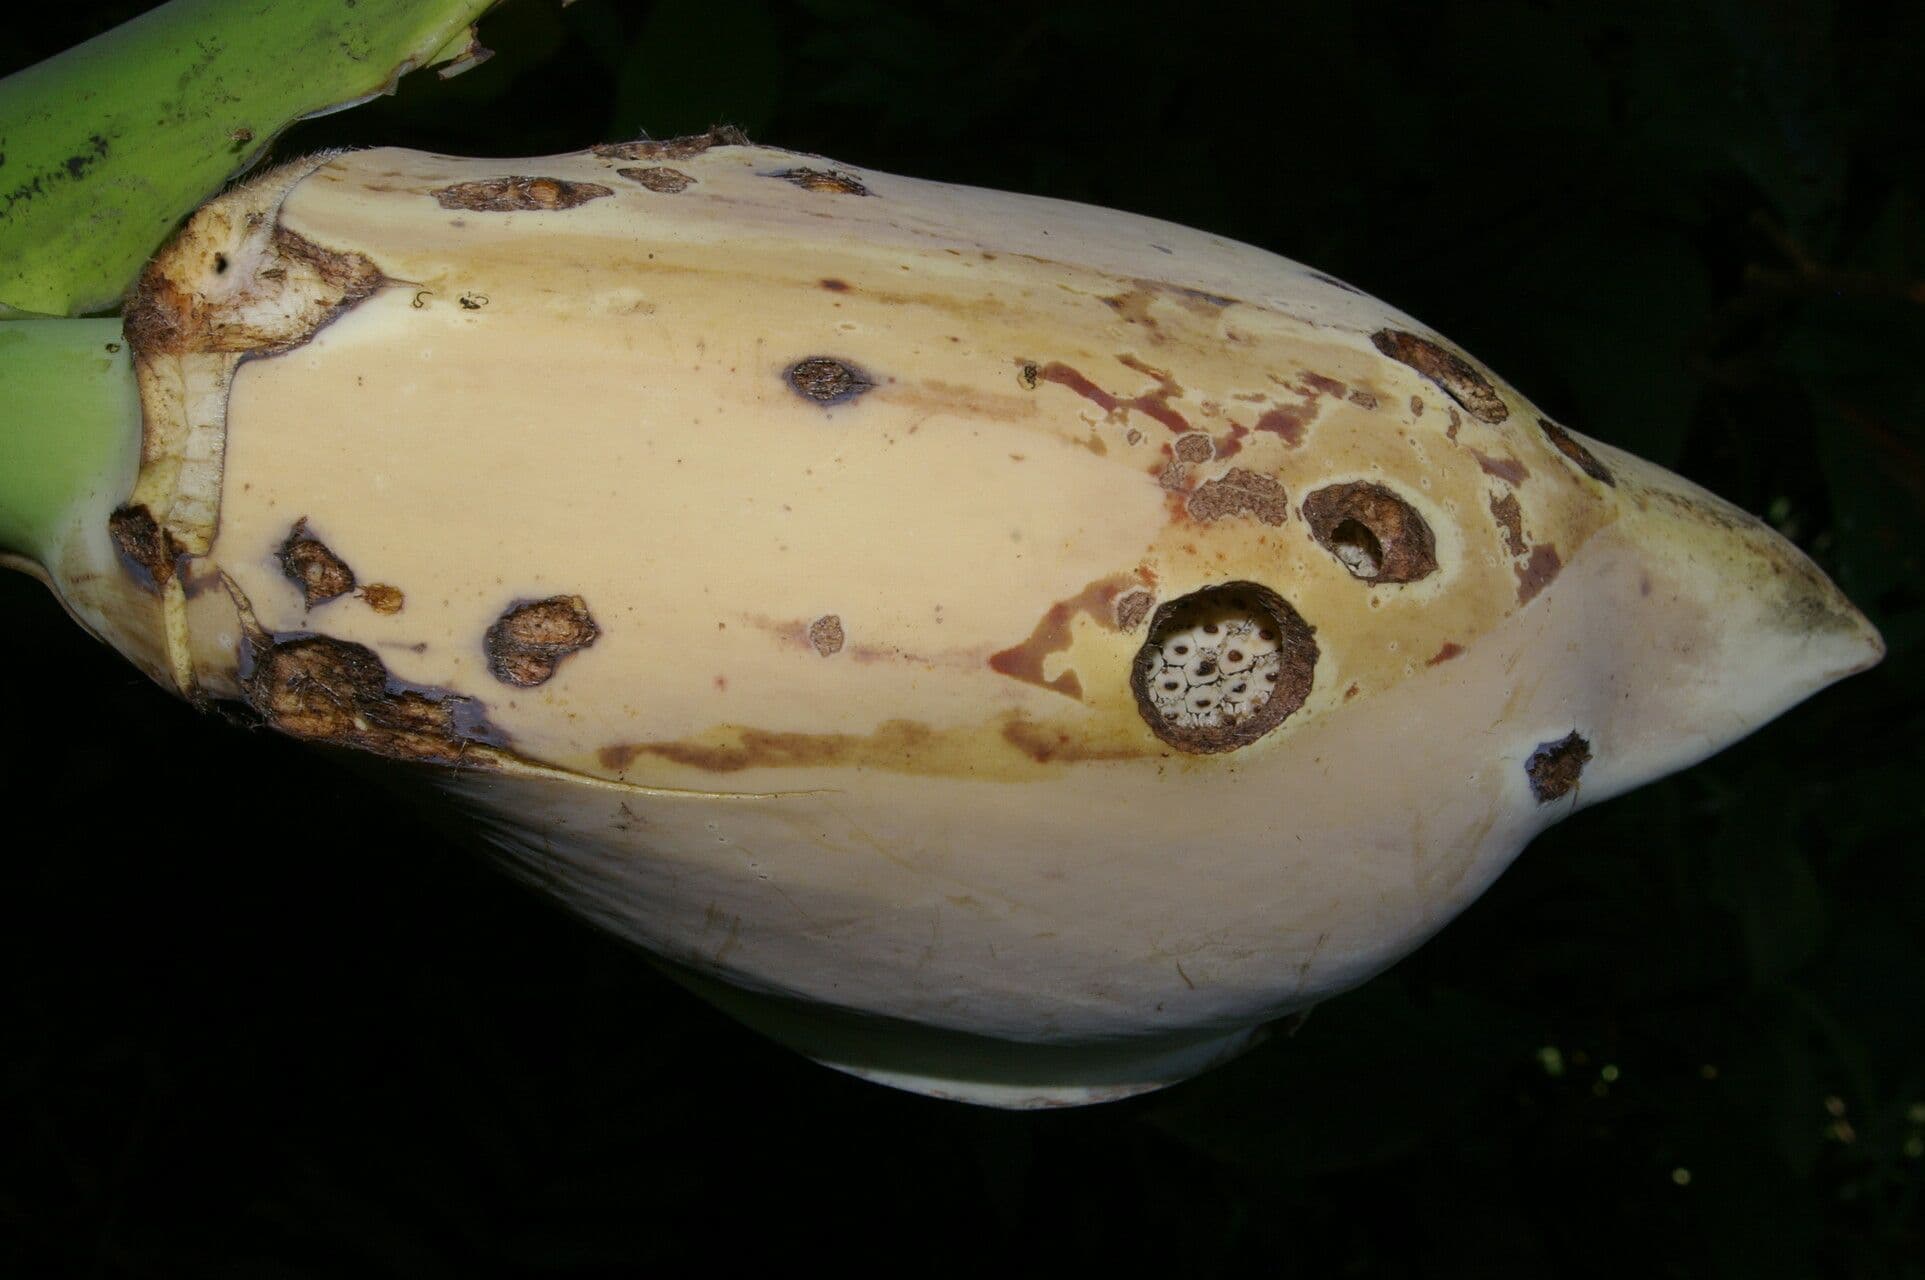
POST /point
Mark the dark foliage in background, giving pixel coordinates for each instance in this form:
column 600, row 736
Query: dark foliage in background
column 1683, row 1036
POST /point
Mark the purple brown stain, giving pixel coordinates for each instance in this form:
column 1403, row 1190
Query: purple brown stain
column 1052, row 634
column 1450, row 649
column 1510, row 520
column 1537, row 571
column 1506, row 468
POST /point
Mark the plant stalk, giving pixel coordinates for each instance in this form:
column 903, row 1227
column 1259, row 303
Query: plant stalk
column 69, row 428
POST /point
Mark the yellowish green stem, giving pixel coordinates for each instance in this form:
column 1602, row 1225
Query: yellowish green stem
column 69, row 424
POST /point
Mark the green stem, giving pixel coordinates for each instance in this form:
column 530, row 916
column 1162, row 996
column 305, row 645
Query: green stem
column 69, row 427
column 110, row 144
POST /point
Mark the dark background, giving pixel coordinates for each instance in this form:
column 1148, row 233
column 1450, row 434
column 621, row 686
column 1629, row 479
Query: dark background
column 1683, row 1036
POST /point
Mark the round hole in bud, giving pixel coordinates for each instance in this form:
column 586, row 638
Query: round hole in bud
column 1195, row 678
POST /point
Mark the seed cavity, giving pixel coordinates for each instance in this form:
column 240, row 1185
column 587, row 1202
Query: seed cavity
column 1586, row 460
column 834, row 181
column 1376, row 535
column 1555, row 767
column 519, row 194
column 827, row 380
column 659, row 178
column 1459, row 379
column 825, row 633
column 1222, row 667
column 529, row 641
column 694, row 144
column 318, row 572
column 1241, row 493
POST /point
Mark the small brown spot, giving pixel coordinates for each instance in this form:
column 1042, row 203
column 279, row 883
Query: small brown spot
column 1133, row 436
column 1194, row 447
column 1450, row 650
column 316, row 687
column 721, row 135
column 1377, row 535
column 1417, row 406
column 1351, row 692
column 382, row 598
column 1362, row 399
column 659, row 178
column 1241, row 493
column 1455, row 423
column 519, row 194
column 319, row 573
column 1586, row 460
column 1459, row 379
column 1132, row 607
column 1506, row 468
column 833, row 285
column 145, row 547
column 834, row 181
column 1536, row 573
column 529, row 641
column 1555, row 767
column 826, row 380
column 1510, row 519
column 825, row 633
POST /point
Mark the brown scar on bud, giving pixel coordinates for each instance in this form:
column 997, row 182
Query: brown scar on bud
column 1458, row 378
column 825, row 634
column 1506, row 468
column 1586, row 460
column 1377, row 535
column 1451, row 649
column 520, row 194
column 327, row 690
column 1536, row 573
column 148, row 550
column 827, row 380
column 529, row 641
column 833, row 181
column 382, row 598
column 1362, row 399
column 1555, row 767
column 1510, row 519
column 1241, row 493
column 659, row 178
column 1193, row 446
column 683, row 148
column 318, row 572
column 1132, row 608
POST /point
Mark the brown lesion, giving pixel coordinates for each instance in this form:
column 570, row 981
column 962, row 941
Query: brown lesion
column 1239, row 492
column 1377, row 535
column 659, row 178
column 1458, row 378
column 1555, row 768
column 1193, row 447
column 310, row 565
column 382, row 598
column 1510, row 521
column 519, row 193
column 326, row 690
column 825, row 635
column 827, row 380
column 1586, row 461
column 146, row 548
column 830, row 181
column 529, row 641
column 683, row 148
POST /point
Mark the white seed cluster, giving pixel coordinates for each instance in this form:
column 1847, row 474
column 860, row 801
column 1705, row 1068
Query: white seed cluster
column 1216, row 665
